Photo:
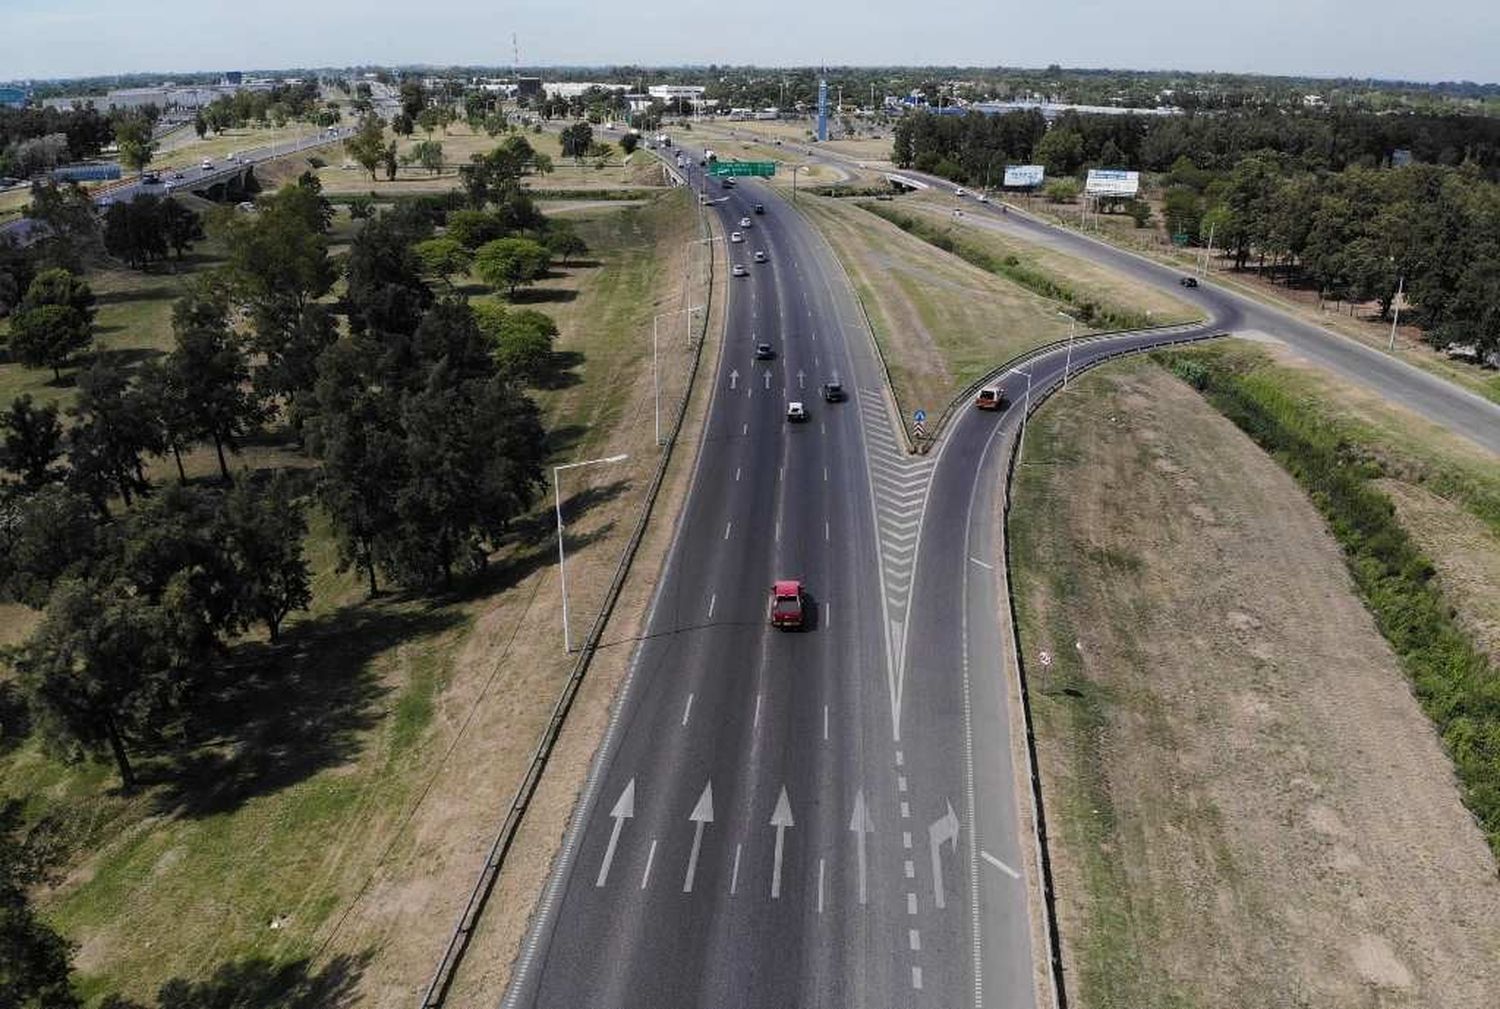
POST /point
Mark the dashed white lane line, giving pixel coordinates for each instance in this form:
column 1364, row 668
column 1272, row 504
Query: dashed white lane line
column 825, row 469
column 778, row 530
column 736, row 474
column 727, row 526
column 825, row 722
column 828, row 614
column 1013, row 874
column 911, row 903
column 916, row 978
column 745, row 429
column 712, row 602
column 734, row 875
column 900, row 758
column 780, row 472
column 910, row 868
column 687, row 709
column 757, row 708
column 827, row 532
column 906, row 839
column 914, row 940
column 905, row 811
column 820, row 886
column 651, row 856
column 901, row 783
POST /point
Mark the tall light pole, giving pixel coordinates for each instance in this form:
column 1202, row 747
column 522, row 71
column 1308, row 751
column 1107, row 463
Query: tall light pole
column 688, row 322
column 1072, row 328
column 1396, row 309
column 655, row 377
column 1025, row 409
column 562, row 573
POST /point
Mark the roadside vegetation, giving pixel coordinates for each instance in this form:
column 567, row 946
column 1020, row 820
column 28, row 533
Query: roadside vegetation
column 1229, row 747
column 273, row 560
column 1453, row 677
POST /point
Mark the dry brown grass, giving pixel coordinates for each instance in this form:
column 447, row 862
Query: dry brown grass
column 940, row 322
column 1248, row 807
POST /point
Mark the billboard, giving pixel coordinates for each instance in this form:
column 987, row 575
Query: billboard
column 1024, row 175
column 1112, row 182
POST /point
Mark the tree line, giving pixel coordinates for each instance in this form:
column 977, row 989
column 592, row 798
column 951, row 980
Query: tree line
column 1312, row 199
column 411, row 405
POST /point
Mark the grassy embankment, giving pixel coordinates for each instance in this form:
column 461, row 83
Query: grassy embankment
column 942, row 321
column 1230, row 751
column 345, row 801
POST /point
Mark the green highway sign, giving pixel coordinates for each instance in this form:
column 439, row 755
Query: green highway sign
column 765, row 169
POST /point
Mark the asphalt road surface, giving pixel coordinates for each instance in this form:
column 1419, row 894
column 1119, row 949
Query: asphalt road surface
column 832, row 817
column 817, row 818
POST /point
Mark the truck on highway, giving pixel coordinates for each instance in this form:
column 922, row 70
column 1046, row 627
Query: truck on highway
column 991, row 397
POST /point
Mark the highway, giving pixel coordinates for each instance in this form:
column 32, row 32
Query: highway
column 194, row 175
column 819, row 818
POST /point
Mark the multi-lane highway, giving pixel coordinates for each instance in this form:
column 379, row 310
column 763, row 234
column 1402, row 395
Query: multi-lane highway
column 835, row 817
column 816, row 818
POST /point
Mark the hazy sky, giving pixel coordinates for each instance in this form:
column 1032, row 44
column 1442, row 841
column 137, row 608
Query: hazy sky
column 1437, row 40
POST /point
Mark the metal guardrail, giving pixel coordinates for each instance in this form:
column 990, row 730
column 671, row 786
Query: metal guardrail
column 1039, row 818
column 967, row 393
column 442, row 978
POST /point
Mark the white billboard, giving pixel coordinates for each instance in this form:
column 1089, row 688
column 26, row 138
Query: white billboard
column 1024, row 175
column 1112, row 182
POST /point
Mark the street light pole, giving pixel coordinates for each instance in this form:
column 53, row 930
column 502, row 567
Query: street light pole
column 1396, row 316
column 562, row 571
column 1072, row 327
column 1025, row 413
column 655, row 375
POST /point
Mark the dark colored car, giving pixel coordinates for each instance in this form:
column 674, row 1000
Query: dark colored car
column 760, row 208
column 763, row 352
column 1189, row 282
column 833, row 392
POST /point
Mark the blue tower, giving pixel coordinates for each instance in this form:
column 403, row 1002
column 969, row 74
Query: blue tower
column 822, row 109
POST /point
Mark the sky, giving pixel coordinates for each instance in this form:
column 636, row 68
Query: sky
column 1436, row 40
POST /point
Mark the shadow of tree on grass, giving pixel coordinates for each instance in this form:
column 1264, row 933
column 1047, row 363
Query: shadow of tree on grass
column 260, row 983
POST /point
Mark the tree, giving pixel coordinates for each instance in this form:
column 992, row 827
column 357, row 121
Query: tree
column 133, row 137
column 135, row 231
column 211, row 370
column 429, row 119
column 262, row 527
column 385, row 291
column 576, row 140
column 49, row 534
column 54, row 321
column 101, row 670
column 443, row 258
column 511, row 263
column 180, row 226
column 402, row 124
column 522, row 341
column 564, row 242
column 473, row 228
column 629, row 142
column 67, row 223
column 1064, row 190
column 428, row 154
column 34, row 959
column 367, row 145
column 200, row 125
column 33, row 442
column 355, row 432
column 112, row 427
column 166, row 401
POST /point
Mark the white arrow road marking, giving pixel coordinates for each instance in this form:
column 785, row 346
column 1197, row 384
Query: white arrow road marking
column 943, row 829
column 624, row 810
column 702, row 814
column 801, row 379
column 1013, row 874
column 781, row 819
column 768, row 378
column 861, row 825
column 734, row 378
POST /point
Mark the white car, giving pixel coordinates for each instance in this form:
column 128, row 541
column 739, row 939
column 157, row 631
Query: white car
column 739, row 270
column 960, row 191
column 735, row 236
column 982, row 198
column 745, row 222
column 207, row 164
column 760, row 255
column 795, row 412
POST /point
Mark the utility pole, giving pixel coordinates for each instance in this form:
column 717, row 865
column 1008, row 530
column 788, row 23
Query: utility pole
column 1208, row 255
